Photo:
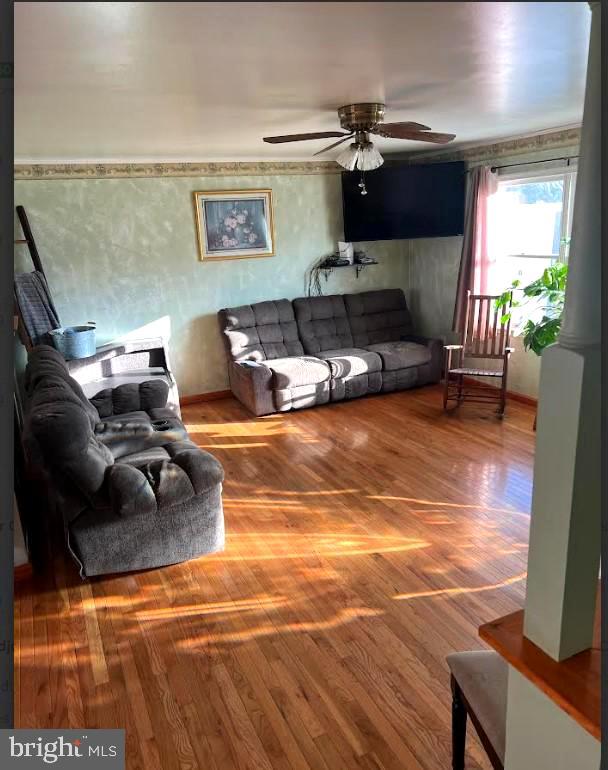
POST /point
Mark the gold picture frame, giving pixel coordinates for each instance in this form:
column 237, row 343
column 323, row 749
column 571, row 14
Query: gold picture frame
column 234, row 224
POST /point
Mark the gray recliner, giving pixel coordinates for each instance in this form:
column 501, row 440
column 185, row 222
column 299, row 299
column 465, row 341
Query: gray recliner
column 284, row 355
column 268, row 369
column 133, row 491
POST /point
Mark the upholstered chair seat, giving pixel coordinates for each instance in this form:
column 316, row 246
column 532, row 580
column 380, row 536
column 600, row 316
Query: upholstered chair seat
column 479, row 687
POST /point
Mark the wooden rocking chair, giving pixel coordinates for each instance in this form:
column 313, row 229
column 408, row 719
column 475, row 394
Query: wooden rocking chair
column 485, row 336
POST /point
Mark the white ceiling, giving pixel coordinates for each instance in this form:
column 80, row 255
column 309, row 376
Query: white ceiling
column 205, row 81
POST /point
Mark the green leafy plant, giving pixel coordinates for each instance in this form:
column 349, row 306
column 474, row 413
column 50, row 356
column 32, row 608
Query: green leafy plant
column 545, row 296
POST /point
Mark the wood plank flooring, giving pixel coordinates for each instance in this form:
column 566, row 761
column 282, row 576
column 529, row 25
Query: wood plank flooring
column 365, row 541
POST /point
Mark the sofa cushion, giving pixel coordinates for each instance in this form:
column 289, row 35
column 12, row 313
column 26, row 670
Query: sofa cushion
column 377, row 316
column 264, row 330
column 322, row 323
column 348, row 362
column 297, row 370
column 401, row 355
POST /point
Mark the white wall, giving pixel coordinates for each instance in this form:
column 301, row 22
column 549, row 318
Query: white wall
column 541, row 736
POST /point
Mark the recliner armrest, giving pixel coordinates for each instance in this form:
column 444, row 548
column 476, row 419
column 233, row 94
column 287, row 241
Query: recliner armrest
column 419, row 339
column 251, row 383
column 436, row 347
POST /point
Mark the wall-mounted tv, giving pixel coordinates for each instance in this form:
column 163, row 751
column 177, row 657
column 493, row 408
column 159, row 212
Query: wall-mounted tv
column 403, row 201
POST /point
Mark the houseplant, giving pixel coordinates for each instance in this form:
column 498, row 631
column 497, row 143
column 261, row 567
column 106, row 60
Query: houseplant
column 544, row 300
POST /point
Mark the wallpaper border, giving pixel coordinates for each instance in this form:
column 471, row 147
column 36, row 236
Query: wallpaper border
column 123, row 170
column 522, row 145
column 569, row 137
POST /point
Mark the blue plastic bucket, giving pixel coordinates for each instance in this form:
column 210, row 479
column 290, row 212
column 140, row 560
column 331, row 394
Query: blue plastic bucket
column 74, row 341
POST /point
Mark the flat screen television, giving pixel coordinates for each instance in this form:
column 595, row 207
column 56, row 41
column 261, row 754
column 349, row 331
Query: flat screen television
column 402, row 201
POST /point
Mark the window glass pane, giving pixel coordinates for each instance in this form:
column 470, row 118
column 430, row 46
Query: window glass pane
column 526, row 217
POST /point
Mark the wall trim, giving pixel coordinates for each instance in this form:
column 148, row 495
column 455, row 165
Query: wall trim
column 523, row 145
column 28, row 171
column 199, row 398
column 550, row 140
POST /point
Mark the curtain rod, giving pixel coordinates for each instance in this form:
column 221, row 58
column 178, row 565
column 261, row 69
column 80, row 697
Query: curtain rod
column 531, row 162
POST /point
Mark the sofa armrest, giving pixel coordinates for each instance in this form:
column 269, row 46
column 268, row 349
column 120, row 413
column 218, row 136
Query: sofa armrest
column 131, row 397
column 161, row 483
column 251, row 383
column 436, row 347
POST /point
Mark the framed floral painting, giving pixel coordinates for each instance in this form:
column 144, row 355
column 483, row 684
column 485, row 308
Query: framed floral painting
column 234, row 224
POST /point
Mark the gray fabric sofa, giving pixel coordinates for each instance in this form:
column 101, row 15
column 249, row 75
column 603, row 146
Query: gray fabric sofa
column 133, row 490
column 288, row 355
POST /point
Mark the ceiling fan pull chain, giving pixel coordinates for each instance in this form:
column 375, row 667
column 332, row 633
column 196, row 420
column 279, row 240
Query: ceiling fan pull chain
column 362, row 184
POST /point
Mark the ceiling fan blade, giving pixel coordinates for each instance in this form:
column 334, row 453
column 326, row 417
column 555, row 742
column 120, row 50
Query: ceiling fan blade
column 335, row 144
column 401, row 126
column 302, row 137
column 418, row 136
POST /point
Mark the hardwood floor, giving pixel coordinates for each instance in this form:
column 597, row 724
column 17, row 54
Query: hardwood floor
column 365, row 541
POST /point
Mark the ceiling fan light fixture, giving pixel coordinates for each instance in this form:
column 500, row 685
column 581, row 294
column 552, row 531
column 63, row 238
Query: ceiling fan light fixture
column 369, row 157
column 348, row 157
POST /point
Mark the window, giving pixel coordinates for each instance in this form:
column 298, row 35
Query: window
column 530, row 220
column 529, row 226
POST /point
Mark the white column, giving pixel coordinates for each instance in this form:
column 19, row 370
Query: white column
column 563, row 561
column 581, row 321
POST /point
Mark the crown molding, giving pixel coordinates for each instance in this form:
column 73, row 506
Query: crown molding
column 550, row 140
column 130, row 170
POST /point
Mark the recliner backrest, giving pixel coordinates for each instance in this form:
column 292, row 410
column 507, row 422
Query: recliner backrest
column 322, row 323
column 59, row 426
column 46, row 362
column 378, row 316
column 260, row 332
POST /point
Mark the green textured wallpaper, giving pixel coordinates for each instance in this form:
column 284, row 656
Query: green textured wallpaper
column 123, row 253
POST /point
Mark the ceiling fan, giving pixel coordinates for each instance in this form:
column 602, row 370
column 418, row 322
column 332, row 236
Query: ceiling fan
column 361, row 120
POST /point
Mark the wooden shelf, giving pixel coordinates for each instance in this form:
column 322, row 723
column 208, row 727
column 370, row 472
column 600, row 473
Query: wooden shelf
column 358, row 265
column 573, row 684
